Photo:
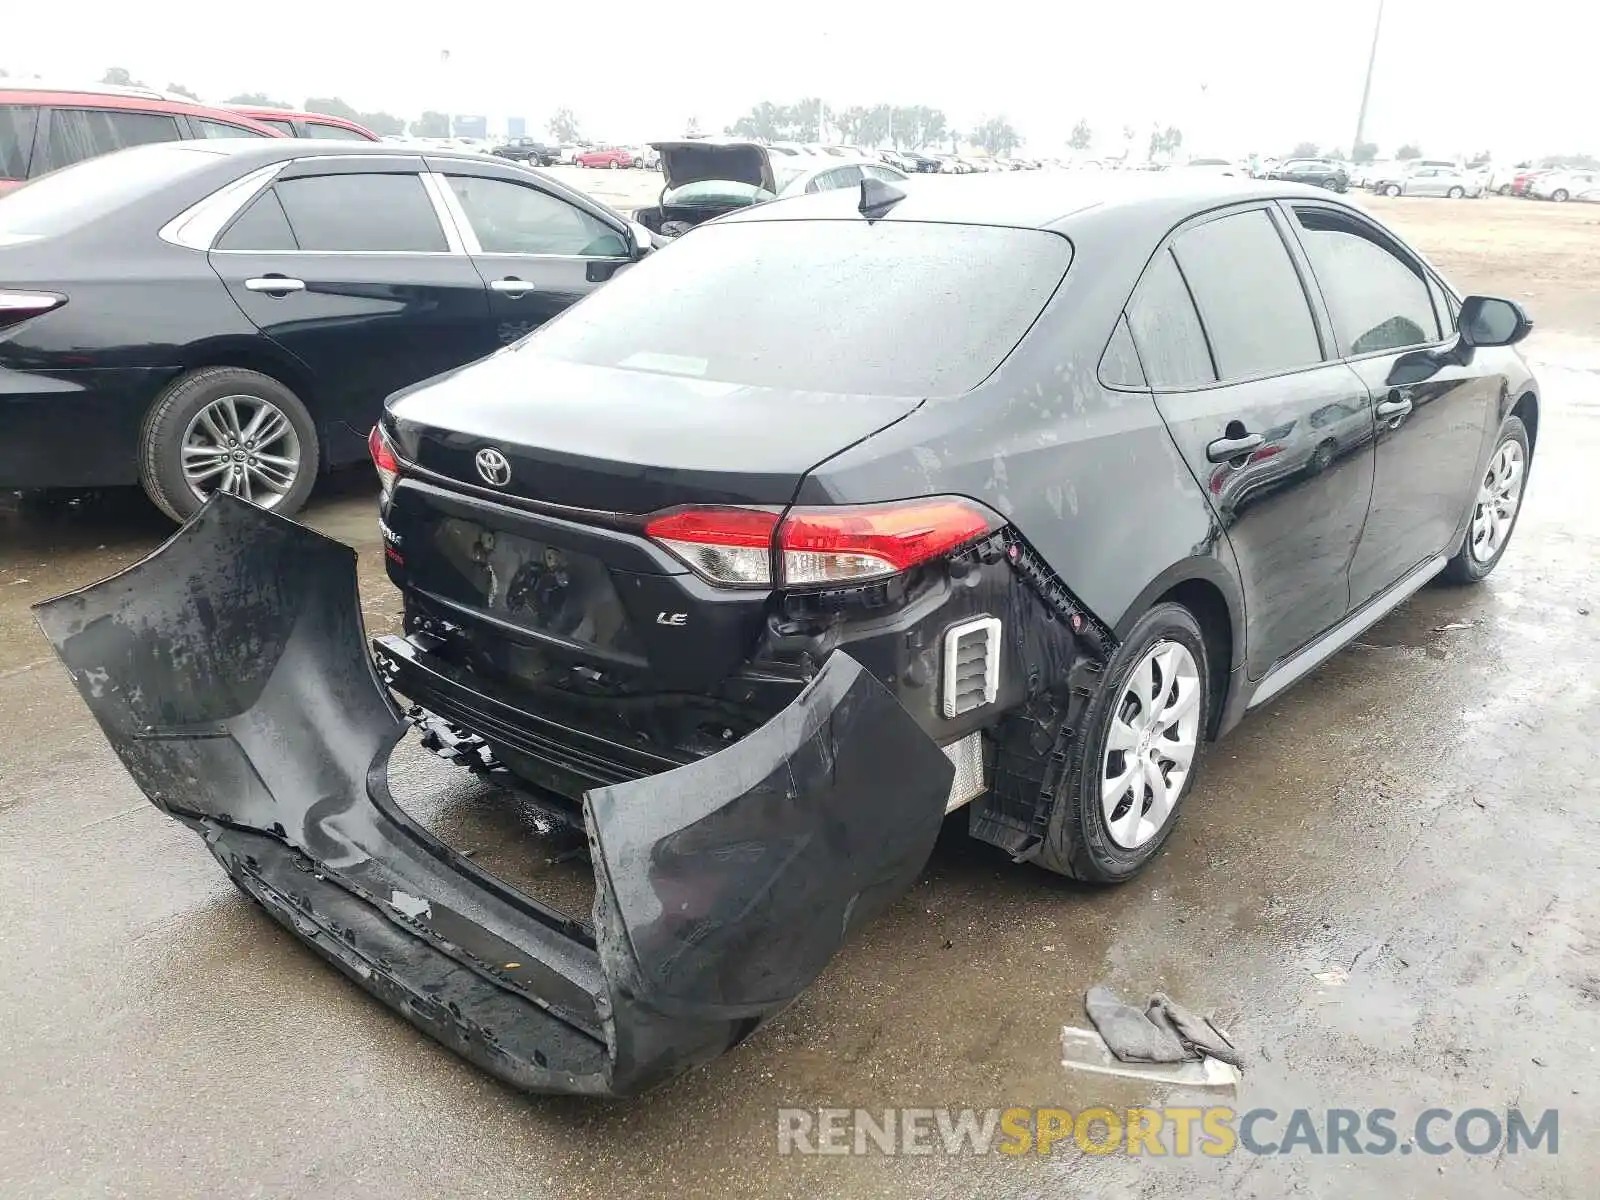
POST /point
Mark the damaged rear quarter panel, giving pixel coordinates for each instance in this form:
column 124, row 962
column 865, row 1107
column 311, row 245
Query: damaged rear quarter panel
column 1089, row 476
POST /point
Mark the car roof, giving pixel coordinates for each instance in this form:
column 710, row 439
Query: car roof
column 294, row 114
column 129, row 99
column 1048, row 201
column 258, row 152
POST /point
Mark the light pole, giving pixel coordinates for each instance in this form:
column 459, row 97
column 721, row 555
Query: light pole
column 444, row 61
column 1366, row 88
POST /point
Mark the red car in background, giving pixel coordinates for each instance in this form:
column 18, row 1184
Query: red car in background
column 614, row 158
column 1524, row 180
column 45, row 128
column 306, row 125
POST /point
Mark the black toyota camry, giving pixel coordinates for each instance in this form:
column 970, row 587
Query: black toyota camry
column 229, row 315
column 833, row 517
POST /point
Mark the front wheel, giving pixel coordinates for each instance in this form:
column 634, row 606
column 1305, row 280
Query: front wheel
column 1504, row 189
column 1456, row 193
column 615, row 165
column 230, row 430
column 1136, row 759
column 1560, row 196
column 1496, row 507
column 1392, row 189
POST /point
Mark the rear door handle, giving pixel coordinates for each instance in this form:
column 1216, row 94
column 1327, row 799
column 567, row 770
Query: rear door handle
column 275, row 283
column 1397, row 405
column 1225, row 448
column 512, row 287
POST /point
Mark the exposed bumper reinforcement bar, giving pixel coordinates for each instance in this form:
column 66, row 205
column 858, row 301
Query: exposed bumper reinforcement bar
column 230, row 673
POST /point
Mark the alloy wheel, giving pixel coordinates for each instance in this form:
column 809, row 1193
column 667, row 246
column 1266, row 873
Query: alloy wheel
column 243, row 445
column 1498, row 498
column 1150, row 744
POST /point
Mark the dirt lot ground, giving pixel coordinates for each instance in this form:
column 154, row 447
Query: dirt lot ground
column 1388, row 884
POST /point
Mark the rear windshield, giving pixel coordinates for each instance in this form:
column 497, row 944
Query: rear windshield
column 73, row 196
column 891, row 309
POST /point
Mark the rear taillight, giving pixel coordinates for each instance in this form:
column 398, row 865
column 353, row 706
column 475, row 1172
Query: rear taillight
column 726, row 545
column 819, row 546
column 388, row 466
column 16, row 307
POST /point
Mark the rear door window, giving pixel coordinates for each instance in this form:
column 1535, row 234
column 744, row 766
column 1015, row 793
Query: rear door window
column 17, row 124
column 1376, row 299
column 511, row 218
column 1166, row 329
column 75, row 134
column 1251, row 302
column 262, row 227
column 282, row 126
column 373, row 213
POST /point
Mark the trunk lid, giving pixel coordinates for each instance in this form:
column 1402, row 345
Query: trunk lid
column 698, row 160
column 617, row 440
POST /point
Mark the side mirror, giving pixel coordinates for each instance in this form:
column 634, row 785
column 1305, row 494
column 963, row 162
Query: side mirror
column 641, row 240
column 1490, row 321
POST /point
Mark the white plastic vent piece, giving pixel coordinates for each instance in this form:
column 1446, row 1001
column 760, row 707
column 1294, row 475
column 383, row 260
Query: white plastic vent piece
column 971, row 665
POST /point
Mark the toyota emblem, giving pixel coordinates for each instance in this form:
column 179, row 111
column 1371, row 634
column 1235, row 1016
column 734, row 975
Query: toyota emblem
column 494, row 468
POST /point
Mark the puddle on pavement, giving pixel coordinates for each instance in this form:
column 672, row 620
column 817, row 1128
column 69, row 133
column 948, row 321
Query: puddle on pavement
column 506, row 834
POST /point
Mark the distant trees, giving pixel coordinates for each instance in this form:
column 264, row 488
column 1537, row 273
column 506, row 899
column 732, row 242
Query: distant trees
column 691, row 127
column 431, row 125
column 177, row 89
column 257, row 100
column 1363, row 152
column 1305, row 150
column 1082, row 136
column 564, row 125
column 997, row 136
column 1165, row 143
column 1407, row 152
column 119, row 77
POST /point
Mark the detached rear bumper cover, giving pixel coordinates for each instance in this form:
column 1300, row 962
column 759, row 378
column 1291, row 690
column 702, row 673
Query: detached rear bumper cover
column 230, row 673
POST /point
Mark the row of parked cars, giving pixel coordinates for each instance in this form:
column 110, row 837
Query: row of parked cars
column 1440, row 177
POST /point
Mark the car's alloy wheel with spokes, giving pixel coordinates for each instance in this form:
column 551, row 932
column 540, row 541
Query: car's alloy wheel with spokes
column 227, row 429
column 242, row 445
column 1136, row 751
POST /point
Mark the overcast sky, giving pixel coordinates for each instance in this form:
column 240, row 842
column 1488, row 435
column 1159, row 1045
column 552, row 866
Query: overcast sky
column 1234, row 75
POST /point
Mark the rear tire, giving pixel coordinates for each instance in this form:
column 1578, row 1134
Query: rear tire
column 1456, row 193
column 1392, row 189
column 1095, row 834
column 1560, row 196
column 1495, row 508
column 178, row 422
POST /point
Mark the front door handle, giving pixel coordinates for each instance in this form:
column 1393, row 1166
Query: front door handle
column 512, row 287
column 275, row 284
column 1225, row 448
column 1398, row 404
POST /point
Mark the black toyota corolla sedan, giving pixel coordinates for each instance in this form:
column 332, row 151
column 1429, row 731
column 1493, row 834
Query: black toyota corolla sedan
column 220, row 315
column 836, row 515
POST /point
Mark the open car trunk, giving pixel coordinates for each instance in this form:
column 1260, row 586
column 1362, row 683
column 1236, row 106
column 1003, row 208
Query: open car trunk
column 745, row 168
column 230, row 674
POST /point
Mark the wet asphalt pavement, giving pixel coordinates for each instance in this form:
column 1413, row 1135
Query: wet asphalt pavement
column 1387, row 885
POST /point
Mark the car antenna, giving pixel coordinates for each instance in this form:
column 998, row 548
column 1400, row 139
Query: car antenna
column 877, row 198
